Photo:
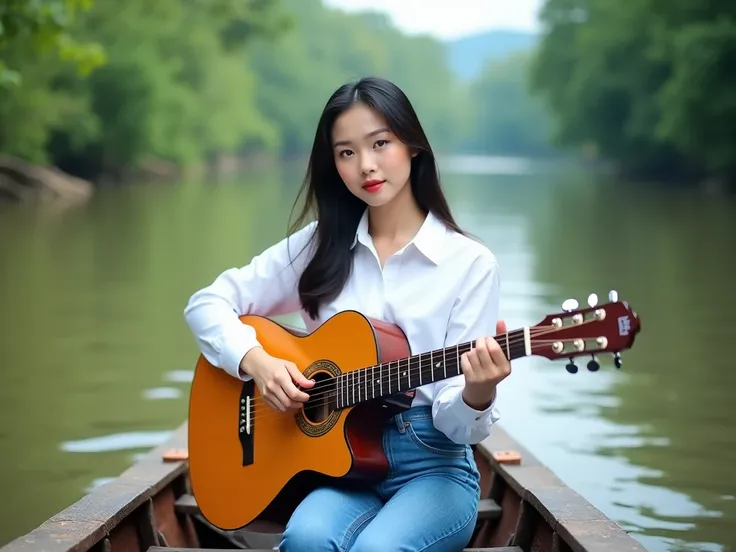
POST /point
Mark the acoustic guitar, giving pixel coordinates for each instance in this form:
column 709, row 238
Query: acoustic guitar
column 249, row 462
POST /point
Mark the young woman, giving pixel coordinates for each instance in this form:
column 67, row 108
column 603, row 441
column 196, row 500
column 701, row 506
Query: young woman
column 384, row 243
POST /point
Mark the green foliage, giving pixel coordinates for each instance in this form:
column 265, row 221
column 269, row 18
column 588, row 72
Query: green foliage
column 185, row 82
column 507, row 118
column 298, row 72
column 44, row 25
column 648, row 83
column 698, row 101
column 176, row 86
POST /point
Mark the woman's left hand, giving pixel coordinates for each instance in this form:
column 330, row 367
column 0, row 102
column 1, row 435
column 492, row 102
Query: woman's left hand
column 484, row 367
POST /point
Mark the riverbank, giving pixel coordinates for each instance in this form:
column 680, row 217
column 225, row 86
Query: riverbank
column 21, row 181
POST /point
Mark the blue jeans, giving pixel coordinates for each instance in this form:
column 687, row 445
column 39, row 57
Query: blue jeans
column 428, row 502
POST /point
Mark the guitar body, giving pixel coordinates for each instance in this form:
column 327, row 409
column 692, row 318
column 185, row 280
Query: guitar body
column 250, row 463
column 259, row 467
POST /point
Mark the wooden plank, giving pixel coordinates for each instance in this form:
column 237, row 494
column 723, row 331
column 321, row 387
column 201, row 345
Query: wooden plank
column 488, row 509
column 599, row 536
column 89, row 520
column 187, row 504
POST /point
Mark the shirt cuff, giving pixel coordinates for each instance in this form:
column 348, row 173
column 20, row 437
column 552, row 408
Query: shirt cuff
column 234, row 345
column 469, row 416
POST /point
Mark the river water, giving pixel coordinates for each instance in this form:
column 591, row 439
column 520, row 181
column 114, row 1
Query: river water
column 98, row 360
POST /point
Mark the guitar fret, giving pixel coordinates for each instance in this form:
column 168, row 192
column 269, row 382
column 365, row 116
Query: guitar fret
column 404, row 378
column 457, row 356
column 420, row 369
column 431, row 365
column 380, row 378
column 373, row 381
column 397, row 387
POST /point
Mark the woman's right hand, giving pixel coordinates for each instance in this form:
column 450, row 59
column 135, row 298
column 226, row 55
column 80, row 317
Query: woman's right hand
column 276, row 379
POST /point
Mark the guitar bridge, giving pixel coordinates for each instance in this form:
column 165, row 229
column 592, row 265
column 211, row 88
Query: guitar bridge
column 245, row 421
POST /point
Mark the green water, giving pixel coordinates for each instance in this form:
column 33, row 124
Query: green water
column 97, row 359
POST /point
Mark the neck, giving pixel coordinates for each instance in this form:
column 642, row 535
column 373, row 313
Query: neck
column 397, row 221
column 399, row 376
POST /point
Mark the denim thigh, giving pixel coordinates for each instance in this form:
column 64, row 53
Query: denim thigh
column 329, row 519
column 428, row 502
column 431, row 494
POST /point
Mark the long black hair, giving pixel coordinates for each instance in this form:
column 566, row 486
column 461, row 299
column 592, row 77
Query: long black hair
column 338, row 211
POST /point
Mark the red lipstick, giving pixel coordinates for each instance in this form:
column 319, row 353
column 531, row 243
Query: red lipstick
column 372, row 186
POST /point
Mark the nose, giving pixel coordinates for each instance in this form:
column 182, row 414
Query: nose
column 367, row 163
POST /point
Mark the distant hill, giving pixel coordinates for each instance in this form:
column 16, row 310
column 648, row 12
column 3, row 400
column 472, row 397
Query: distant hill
column 467, row 55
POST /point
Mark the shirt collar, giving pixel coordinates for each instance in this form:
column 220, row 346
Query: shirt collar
column 428, row 240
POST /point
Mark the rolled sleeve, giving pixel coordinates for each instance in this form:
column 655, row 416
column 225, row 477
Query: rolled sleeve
column 474, row 315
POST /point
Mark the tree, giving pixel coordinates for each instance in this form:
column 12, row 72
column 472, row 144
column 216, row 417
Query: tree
column 44, row 25
column 649, row 83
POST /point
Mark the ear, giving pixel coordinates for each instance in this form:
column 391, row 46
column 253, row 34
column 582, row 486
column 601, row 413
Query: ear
column 414, row 153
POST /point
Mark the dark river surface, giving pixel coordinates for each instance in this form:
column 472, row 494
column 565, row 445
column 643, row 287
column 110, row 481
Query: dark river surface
column 98, row 360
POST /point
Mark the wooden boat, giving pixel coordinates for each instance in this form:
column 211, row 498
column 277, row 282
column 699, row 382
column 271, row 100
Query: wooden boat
column 524, row 508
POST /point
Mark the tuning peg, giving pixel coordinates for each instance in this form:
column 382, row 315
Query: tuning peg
column 613, row 296
column 569, row 305
column 592, row 300
column 617, row 360
column 593, row 365
column 571, row 367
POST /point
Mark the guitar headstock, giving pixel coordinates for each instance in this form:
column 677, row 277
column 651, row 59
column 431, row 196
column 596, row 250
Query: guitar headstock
column 606, row 328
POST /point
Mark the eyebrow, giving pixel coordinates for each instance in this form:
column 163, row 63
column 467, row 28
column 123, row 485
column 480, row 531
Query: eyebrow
column 372, row 133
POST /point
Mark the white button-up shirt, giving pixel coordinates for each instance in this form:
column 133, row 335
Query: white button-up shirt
column 441, row 289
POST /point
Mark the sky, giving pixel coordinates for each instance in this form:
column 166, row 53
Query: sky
column 449, row 19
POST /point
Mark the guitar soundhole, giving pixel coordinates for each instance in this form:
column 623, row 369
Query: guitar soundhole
column 322, row 402
column 319, row 415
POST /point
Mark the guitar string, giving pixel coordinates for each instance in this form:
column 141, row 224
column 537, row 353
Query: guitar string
column 330, row 388
column 452, row 364
column 264, row 410
column 329, row 385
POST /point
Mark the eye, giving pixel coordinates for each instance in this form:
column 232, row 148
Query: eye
column 381, row 143
column 345, row 153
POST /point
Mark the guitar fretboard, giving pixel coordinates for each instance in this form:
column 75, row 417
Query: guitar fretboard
column 401, row 375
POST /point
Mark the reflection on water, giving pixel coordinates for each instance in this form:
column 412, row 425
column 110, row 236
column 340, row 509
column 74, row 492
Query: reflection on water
column 118, row 441
column 99, row 361
column 162, row 393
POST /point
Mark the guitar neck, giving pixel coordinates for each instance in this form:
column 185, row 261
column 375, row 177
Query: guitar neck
column 399, row 376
